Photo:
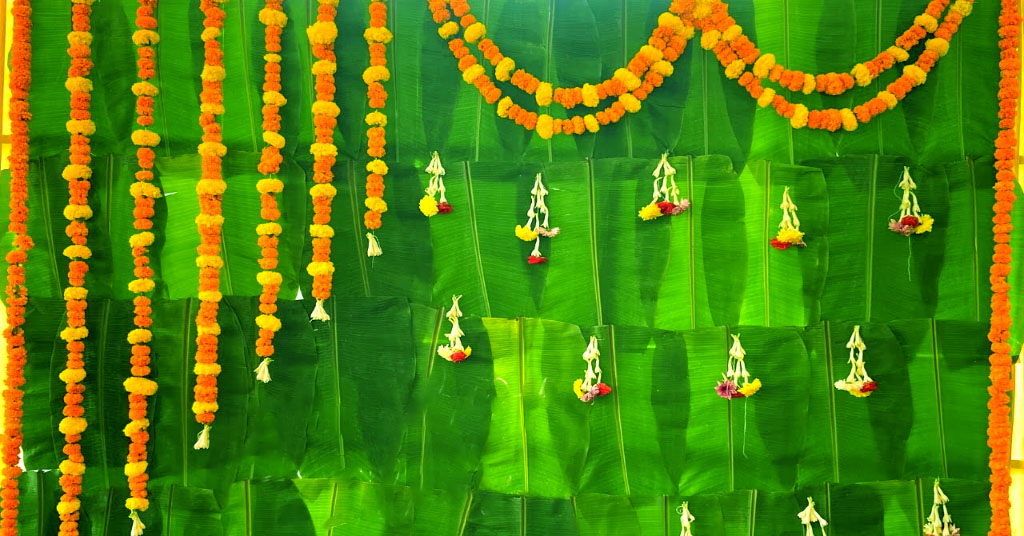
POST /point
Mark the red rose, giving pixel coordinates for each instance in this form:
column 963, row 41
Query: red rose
column 458, row 355
column 868, row 387
column 777, row 244
column 910, row 221
column 666, row 207
column 603, row 389
column 444, row 208
column 536, row 260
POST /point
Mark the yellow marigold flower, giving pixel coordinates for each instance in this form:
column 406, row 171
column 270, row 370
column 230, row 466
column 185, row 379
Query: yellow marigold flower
column 74, row 334
column 702, row 11
column 269, row 186
column 749, row 389
column 790, row 236
column 323, row 190
column 926, row 21
column 145, row 37
column 270, row 229
column 273, row 17
column 209, row 261
column 75, row 293
column 79, row 38
column 377, row 35
column 377, row 166
column 212, row 148
column 544, row 94
column 474, row 32
column 76, row 171
column 472, row 73
column 72, row 375
column 211, row 108
column 670, row 20
column 652, row 54
column 849, row 119
column 809, row 84
column 428, row 206
column 272, row 58
column 209, row 219
column 627, row 78
column 962, row 7
column 732, row 33
column 663, row 68
column 77, row 212
column 376, row 119
column 938, row 45
column 322, row 32
column 859, row 394
column 321, row 231
column 267, row 277
column 72, row 425
column 320, row 268
column 84, row 127
column 211, row 187
column 210, row 295
column 328, row 108
column 135, row 468
column 68, row 467
column 376, row 73
column 270, row 322
column 525, row 233
column 376, row 204
column 545, row 126
column 213, row 73
column 591, row 123
column 926, row 224
column 209, row 34
column 325, row 67
column 136, row 503
column 145, row 138
column 650, row 211
column 503, row 70
column 448, row 29
column 764, row 65
column 766, row 97
column 503, row 106
column 890, row 100
column 323, row 149
column 861, row 74
column 577, row 388
column 204, row 407
column 898, row 53
column 139, row 335
column 68, row 507
column 77, row 252
column 274, row 98
column 735, row 69
column 590, row 98
column 206, row 369
column 141, row 240
column 134, row 427
column 631, row 103
column 800, row 114
column 140, row 386
column 213, row 329
column 80, row 83
column 144, row 189
column 709, row 39
column 273, row 139
column 916, row 74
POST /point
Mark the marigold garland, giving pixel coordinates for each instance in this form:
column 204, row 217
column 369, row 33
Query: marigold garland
column 274, row 21
column 78, row 172
column 17, row 292
column 999, row 427
column 377, row 37
column 322, row 35
column 138, row 386
column 211, row 189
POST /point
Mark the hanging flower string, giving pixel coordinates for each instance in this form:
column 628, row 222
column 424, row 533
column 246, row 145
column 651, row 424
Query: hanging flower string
column 686, row 520
column 274, row 21
column 666, row 193
column 590, row 386
column 535, row 228
column 17, row 257
column 211, row 189
column 858, row 383
column 377, row 37
column 322, row 35
column 809, row 516
column 789, row 228
column 911, row 221
column 430, row 204
column 138, row 385
column 77, row 173
column 454, row 351
column 731, row 386
column 940, row 525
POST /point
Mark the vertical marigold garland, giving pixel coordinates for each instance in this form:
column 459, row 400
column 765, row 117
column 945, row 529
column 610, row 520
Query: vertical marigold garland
column 210, row 220
column 377, row 37
column 138, row 386
column 81, row 127
column 322, row 35
column 999, row 428
column 274, row 21
column 17, row 292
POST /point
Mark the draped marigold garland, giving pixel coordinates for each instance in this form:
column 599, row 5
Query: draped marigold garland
column 322, row 35
column 78, row 172
column 138, row 386
column 17, row 292
column 999, row 427
column 377, row 37
column 274, row 21
column 211, row 189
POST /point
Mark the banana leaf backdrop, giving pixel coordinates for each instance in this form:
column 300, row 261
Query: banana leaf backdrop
column 361, row 432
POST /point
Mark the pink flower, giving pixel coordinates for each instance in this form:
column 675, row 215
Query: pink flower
column 683, row 206
column 727, row 389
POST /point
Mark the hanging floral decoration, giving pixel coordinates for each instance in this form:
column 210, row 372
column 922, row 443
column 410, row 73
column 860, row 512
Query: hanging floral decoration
column 77, row 173
column 686, row 520
column 590, row 386
column 211, row 189
column 911, row 220
column 17, row 257
column 430, row 204
column 666, row 193
column 535, row 228
column 454, row 351
column 789, row 228
column 138, row 385
column 940, row 525
column 736, row 380
column 322, row 35
column 270, row 186
column 377, row 37
column 858, row 383
column 809, row 516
